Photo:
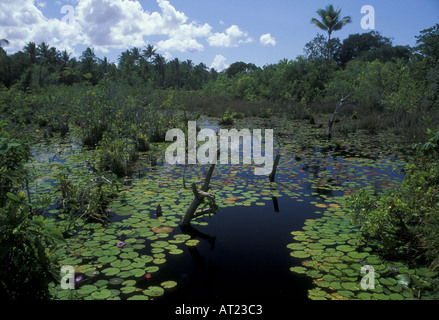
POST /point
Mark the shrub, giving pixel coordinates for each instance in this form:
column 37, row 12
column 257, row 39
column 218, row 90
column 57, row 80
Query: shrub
column 88, row 199
column 402, row 222
column 116, row 155
column 27, row 251
column 228, row 118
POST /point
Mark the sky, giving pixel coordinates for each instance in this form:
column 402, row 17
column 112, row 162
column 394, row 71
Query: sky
column 215, row 32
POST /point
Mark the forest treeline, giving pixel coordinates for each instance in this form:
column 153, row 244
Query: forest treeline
column 383, row 75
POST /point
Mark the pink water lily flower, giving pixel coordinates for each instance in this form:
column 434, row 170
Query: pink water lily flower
column 120, row 244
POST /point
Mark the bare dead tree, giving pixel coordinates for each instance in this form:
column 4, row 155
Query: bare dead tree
column 199, row 197
column 343, row 101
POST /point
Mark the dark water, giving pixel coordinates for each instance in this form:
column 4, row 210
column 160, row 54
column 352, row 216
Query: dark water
column 242, row 255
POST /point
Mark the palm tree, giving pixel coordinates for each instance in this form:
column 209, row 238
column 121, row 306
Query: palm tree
column 31, row 50
column 149, row 52
column 330, row 21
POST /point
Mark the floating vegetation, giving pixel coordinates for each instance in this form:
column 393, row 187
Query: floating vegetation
column 122, row 259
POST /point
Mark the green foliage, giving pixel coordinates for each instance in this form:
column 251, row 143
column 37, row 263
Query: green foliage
column 27, row 251
column 116, row 154
column 85, row 199
column 27, row 241
column 403, row 221
column 13, row 157
column 228, row 118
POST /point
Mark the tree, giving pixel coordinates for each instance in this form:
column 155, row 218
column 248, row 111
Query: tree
column 159, row 65
column 239, row 67
column 31, row 50
column 357, row 44
column 330, row 22
column 318, row 48
column 89, row 65
column 428, row 43
column 149, row 52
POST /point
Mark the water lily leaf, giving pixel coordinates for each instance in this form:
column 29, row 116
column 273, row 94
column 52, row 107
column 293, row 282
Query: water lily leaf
column 192, row 242
column 106, row 259
column 120, row 263
column 296, row 246
column 111, row 271
column 345, row 248
column 168, row 284
column 151, row 269
column 176, row 251
column 299, row 270
column 138, row 297
column 154, row 291
column 128, row 289
column 87, row 289
column 129, row 255
column 300, row 254
column 137, row 272
column 351, row 286
column 116, row 281
column 159, row 261
column 162, row 229
column 101, row 294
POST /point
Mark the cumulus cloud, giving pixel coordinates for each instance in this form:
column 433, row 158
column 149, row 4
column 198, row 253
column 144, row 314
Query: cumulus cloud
column 110, row 24
column 267, row 40
column 231, row 38
column 219, row 63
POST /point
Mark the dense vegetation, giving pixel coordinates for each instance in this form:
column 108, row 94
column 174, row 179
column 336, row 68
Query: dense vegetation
column 117, row 111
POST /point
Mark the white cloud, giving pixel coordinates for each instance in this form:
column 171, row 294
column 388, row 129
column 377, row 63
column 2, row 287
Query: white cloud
column 231, row 38
column 219, row 63
column 267, row 40
column 108, row 24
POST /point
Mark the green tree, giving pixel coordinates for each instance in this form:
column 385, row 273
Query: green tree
column 330, row 22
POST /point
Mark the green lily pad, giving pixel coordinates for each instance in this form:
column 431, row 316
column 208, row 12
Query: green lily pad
column 345, row 248
column 154, row 291
column 138, row 297
column 111, row 271
column 87, row 289
column 300, row 254
column 128, row 289
column 299, row 270
column 120, row 263
column 168, row 284
column 101, row 294
column 151, row 269
column 106, row 259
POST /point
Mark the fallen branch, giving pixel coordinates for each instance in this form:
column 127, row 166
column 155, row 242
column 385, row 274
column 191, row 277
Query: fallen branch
column 199, row 197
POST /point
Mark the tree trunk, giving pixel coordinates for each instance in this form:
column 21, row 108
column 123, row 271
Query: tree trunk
column 341, row 103
column 199, row 196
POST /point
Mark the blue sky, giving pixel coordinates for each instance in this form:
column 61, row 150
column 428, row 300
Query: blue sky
column 215, row 32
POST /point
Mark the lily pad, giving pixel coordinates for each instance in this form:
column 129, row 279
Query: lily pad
column 168, row 284
column 101, row 294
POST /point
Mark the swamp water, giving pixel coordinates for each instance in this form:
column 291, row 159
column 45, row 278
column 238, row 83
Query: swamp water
column 258, row 246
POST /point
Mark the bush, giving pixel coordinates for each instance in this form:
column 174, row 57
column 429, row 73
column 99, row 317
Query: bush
column 228, row 118
column 116, row 155
column 88, row 199
column 403, row 222
column 27, row 246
